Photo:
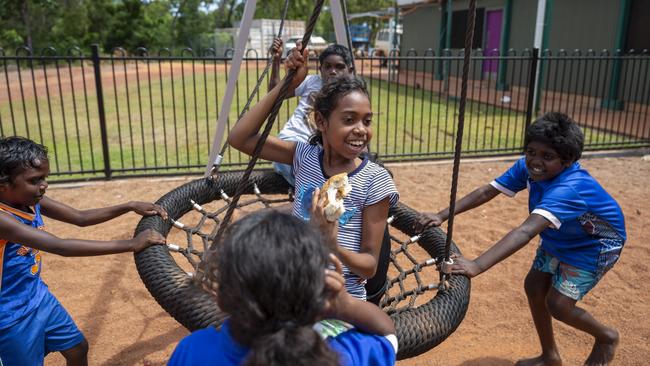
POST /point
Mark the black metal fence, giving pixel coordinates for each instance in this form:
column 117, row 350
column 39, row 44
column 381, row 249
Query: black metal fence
column 153, row 114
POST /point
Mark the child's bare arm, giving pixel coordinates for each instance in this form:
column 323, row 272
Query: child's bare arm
column 364, row 263
column 508, row 245
column 16, row 232
column 245, row 134
column 62, row 212
column 365, row 316
column 476, row 198
column 276, row 51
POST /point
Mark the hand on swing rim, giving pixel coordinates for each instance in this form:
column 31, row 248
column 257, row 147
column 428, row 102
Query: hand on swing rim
column 460, row 266
column 425, row 220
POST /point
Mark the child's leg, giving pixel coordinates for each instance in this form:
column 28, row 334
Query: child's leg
column 564, row 309
column 62, row 334
column 537, row 285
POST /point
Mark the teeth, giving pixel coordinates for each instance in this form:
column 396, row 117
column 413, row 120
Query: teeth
column 356, row 143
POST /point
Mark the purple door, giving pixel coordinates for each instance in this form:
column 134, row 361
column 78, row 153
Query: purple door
column 494, row 19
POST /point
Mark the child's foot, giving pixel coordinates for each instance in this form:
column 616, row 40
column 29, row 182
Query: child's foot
column 542, row 360
column 603, row 351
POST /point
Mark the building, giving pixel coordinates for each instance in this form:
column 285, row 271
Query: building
column 502, row 25
column 261, row 35
column 506, row 24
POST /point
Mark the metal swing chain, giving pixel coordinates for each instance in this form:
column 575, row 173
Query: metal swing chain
column 469, row 37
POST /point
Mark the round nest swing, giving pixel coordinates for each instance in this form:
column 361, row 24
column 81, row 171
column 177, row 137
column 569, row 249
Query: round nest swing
column 423, row 317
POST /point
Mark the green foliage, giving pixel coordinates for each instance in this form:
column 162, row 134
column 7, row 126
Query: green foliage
column 10, row 39
column 152, row 24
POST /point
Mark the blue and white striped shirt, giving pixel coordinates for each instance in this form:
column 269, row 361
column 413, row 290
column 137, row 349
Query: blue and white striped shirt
column 370, row 184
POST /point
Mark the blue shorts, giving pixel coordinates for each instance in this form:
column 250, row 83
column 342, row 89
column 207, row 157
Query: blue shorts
column 49, row 328
column 286, row 171
column 568, row 280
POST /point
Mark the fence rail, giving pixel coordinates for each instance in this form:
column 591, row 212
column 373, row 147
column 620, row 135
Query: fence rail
column 144, row 114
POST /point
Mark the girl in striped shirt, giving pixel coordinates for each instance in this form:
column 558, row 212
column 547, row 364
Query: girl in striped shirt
column 343, row 118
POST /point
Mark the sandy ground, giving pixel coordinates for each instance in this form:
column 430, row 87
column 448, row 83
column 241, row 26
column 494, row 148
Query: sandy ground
column 125, row 326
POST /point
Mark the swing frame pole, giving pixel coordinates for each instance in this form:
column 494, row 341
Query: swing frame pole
column 244, row 32
column 233, row 74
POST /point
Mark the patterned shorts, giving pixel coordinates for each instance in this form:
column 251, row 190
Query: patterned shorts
column 570, row 281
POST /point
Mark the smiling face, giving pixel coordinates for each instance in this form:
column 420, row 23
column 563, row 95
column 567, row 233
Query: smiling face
column 333, row 66
column 543, row 162
column 27, row 187
column 348, row 130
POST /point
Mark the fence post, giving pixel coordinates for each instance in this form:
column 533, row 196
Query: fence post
column 100, row 107
column 532, row 74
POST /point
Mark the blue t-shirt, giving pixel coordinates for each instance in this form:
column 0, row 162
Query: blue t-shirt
column 370, row 183
column 588, row 227
column 210, row 346
column 21, row 287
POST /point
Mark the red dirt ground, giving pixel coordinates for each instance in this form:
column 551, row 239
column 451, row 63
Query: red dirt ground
column 125, row 326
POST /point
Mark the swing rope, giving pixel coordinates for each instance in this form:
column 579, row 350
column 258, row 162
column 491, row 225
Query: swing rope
column 217, row 164
column 243, row 183
column 469, row 37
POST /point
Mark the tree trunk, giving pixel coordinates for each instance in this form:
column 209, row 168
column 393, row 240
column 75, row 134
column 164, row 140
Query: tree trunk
column 24, row 12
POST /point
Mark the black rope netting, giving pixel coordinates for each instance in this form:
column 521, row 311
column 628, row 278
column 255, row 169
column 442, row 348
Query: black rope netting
column 423, row 316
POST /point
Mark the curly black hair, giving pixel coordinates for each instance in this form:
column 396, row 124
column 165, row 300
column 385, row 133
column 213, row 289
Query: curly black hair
column 17, row 154
column 330, row 95
column 270, row 270
column 339, row 50
column 560, row 132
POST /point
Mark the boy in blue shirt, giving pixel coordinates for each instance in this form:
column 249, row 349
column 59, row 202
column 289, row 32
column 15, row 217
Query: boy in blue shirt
column 32, row 321
column 581, row 227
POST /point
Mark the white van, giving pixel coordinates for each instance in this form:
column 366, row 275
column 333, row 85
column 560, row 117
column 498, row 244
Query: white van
column 316, row 44
column 384, row 40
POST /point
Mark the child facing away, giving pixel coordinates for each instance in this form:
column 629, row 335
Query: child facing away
column 334, row 61
column 275, row 296
column 344, row 128
column 581, row 227
column 32, row 321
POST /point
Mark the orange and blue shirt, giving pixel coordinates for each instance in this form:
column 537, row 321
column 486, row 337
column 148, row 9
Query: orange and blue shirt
column 21, row 287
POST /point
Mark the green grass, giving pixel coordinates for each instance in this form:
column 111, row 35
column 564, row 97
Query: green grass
column 171, row 122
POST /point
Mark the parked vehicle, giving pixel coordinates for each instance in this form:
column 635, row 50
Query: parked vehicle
column 387, row 39
column 360, row 36
column 316, row 44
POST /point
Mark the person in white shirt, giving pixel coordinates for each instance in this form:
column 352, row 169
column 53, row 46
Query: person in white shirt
column 334, row 61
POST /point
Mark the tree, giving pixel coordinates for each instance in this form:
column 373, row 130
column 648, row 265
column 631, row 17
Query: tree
column 301, row 10
column 29, row 19
column 194, row 27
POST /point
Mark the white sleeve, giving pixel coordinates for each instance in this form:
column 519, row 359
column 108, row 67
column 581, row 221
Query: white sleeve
column 392, row 338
